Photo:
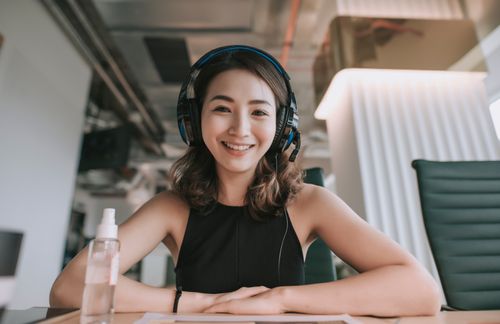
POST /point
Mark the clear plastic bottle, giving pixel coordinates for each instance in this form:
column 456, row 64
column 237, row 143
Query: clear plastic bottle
column 102, row 272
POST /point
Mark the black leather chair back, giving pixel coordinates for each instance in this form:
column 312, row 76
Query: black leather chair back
column 461, row 209
column 319, row 262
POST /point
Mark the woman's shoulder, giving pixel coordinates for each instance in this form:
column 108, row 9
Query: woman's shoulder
column 306, row 209
column 163, row 215
column 311, row 194
column 170, row 200
column 166, row 203
column 314, row 201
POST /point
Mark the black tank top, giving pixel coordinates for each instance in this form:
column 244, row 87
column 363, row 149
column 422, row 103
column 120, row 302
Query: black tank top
column 227, row 249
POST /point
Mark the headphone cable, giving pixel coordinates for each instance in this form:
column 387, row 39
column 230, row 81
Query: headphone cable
column 281, row 246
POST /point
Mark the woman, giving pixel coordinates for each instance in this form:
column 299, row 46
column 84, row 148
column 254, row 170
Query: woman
column 238, row 220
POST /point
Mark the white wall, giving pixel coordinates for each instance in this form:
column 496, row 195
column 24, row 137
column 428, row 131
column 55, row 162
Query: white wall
column 43, row 91
column 93, row 207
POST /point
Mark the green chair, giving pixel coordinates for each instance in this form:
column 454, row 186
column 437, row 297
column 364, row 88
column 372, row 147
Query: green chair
column 319, row 259
column 461, row 211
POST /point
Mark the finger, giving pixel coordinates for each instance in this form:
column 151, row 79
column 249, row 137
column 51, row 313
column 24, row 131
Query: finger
column 232, row 307
column 218, row 308
column 214, row 309
column 252, row 291
column 250, row 305
column 243, row 292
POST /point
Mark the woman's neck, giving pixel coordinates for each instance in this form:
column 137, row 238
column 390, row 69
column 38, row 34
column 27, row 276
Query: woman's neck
column 233, row 187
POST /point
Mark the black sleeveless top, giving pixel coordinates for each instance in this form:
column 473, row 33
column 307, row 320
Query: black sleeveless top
column 227, row 249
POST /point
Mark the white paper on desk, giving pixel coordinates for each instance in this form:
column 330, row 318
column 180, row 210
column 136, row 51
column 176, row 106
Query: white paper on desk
column 159, row 318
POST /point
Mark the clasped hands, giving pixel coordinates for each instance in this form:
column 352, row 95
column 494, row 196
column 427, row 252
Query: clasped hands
column 248, row 300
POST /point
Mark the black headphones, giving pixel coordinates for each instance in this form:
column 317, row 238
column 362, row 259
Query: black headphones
column 188, row 112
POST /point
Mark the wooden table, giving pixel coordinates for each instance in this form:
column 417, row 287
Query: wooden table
column 451, row 317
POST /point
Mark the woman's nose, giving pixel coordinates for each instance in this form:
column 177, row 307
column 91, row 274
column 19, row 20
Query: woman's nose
column 240, row 125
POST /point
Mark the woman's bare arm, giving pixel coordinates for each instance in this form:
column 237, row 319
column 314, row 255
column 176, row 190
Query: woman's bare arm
column 138, row 236
column 130, row 295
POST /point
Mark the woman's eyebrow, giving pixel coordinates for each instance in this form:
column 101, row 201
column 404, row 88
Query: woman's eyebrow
column 229, row 99
column 259, row 102
column 221, row 97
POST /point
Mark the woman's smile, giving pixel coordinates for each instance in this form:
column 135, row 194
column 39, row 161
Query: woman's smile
column 237, row 147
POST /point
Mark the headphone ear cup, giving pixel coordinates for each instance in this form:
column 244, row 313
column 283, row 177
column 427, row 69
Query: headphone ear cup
column 194, row 113
column 181, row 120
column 183, row 115
column 281, row 120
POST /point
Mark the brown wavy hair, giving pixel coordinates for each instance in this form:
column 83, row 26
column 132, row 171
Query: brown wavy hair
column 276, row 181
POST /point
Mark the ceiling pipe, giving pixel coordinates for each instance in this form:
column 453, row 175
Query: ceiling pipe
column 56, row 11
column 118, row 73
column 290, row 32
column 145, row 138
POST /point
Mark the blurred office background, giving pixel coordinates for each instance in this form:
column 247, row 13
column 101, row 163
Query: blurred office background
column 88, row 93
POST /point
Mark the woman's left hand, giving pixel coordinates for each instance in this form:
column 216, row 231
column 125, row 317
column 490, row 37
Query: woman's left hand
column 268, row 302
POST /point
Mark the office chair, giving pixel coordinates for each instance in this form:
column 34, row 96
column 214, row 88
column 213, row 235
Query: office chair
column 319, row 260
column 461, row 211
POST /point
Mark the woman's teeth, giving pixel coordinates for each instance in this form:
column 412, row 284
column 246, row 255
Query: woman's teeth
column 237, row 147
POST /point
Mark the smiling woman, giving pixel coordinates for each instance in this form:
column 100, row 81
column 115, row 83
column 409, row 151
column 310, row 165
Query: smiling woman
column 235, row 97
column 239, row 219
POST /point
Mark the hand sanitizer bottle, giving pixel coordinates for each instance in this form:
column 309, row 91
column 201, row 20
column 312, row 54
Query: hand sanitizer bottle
column 102, row 272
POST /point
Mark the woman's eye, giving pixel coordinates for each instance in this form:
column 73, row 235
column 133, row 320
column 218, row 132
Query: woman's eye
column 221, row 109
column 260, row 113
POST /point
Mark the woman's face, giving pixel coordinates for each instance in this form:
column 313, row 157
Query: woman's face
column 238, row 120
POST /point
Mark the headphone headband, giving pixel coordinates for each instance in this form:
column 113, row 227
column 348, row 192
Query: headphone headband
column 234, row 48
column 188, row 112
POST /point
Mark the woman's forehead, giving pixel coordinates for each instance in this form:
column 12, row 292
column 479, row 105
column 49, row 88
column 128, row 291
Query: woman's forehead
column 239, row 82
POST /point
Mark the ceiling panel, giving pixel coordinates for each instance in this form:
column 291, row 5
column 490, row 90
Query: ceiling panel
column 170, row 56
column 177, row 14
column 137, row 57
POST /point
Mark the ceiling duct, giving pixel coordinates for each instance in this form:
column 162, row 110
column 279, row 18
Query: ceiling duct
column 397, row 43
column 161, row 16
column 83, row 24
column 170, row 57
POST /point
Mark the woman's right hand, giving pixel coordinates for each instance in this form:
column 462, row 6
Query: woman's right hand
column 243, row 292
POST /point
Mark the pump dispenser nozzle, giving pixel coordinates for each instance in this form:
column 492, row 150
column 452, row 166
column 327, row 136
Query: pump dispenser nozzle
column 107, row 228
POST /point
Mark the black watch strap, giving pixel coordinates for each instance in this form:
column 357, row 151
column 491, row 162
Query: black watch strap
column 178, row 294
